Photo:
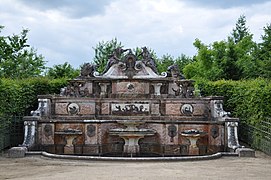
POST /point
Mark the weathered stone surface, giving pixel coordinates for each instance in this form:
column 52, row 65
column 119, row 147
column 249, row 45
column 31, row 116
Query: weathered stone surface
column 87, row 108
column 61, row 108
column 47, row 135
column 105, row 108
column 216, row 138
column 91, row 149
column 17, row 152
column 199, row 109
column 245, row 152
column 130, row 88
column 173, row 109
column 91, row 133
column 94, row 109
column 155, row 109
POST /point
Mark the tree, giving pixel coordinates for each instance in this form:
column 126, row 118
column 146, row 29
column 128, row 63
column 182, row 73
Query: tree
column 244, row 48
column 63, row 70
column 240, row 31
column 230, row 68
column 233, row 58
column 164, row 62
column 102, row 52
column 264, row 52
column 182, row 61
column 204, row 64
column 18, row 59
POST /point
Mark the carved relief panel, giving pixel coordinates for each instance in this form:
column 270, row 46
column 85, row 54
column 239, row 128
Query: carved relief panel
column 130, row 109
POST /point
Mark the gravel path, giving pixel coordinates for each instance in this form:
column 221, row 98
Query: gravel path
column 39, row 168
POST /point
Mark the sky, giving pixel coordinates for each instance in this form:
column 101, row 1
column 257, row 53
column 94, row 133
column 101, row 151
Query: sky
column 68, row 30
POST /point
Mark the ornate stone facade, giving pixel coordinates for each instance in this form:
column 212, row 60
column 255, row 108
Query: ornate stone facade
column 130, row 109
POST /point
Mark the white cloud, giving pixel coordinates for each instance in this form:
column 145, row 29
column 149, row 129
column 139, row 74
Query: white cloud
column 167, row 26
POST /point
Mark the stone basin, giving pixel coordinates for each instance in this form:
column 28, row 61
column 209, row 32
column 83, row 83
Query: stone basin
column 131, row 135
column 193, row 135
column 69, row 135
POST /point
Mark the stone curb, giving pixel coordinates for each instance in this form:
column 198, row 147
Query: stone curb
column 100, row 158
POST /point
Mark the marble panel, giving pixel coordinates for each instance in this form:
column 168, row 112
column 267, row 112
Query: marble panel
column 87, row 108
column 61, row 108
column 173, row 109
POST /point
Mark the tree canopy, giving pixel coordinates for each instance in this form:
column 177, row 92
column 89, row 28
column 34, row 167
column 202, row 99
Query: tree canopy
column 102, row 52
column 237, row 57
column 62, row 71
column 17, row 58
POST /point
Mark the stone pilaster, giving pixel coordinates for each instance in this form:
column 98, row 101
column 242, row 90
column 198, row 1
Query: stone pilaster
column 30, row 129
column 103, row 89
column 232, row 136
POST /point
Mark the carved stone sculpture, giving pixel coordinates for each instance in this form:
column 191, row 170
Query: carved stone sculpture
column 185, row 89
column 148, row 60
column 118, row 52
column 87, row 70
column 174, row 71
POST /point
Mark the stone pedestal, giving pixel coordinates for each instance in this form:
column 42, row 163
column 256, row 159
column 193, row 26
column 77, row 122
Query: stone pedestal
column 131, row 145
column 69, row 148
column 69, row 135
column 245, row 152
column 17, row 152
column 193, row 148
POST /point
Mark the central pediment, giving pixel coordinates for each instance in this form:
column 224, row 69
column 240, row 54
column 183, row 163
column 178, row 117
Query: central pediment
column 130, row 67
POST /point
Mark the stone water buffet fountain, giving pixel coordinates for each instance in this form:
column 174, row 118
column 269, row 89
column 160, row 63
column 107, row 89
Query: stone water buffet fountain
column 130, row 110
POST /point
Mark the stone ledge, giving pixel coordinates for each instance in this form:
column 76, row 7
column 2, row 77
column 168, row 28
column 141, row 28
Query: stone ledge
column 245, row 152
column 100, row 158
column 17, row 152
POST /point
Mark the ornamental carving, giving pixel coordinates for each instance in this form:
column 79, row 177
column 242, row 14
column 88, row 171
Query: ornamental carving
column 148, row 60
column 172, row 131
column 48, row 130
column 87, row 70
column 126, row 109
column 73, row 109
column 215, row 132
column 187, row 109
column 185, row 89
column 91, row 129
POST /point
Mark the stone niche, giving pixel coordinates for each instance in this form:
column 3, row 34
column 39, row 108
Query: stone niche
column 130, row 110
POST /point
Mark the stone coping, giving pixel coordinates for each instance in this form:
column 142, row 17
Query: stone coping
column 115, row 121
column 101, row 158
column 98, row 99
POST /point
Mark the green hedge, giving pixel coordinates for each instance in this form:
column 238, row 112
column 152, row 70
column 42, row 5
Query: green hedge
column 249, row 100
column 19, row 97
